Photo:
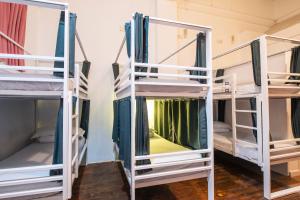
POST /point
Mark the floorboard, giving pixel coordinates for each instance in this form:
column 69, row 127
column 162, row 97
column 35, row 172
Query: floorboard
column 241, row 181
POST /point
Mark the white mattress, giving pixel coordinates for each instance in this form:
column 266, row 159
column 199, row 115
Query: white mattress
column 223, row 142
column 35, row 154
column 251, row 88
column 146, row 89
column 161, row 145
column 30, row 86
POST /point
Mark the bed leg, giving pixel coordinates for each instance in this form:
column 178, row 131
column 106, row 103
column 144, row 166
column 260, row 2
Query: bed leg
column 211, row 185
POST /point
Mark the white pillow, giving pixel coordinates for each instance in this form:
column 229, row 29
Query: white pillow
column 44, row 131
column 221, row 125
column 46, row 139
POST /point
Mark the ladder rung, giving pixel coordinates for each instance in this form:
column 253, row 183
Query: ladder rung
column 247, row 127
column 246, row 111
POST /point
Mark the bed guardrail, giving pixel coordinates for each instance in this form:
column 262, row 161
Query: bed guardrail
column 123, row 81
column 47, row 179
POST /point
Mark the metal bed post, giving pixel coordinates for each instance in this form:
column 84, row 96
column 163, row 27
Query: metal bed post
column 66, row 179
column 265, row 117
column 209, row 119
column 70, row 145
column 133, row 108
column 233, row 112
column 77, row 117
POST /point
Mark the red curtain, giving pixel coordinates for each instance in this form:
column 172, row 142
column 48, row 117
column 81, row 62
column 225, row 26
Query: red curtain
column 13, row 24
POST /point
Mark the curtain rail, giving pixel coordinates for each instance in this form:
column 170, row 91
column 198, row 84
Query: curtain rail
column 80, row 45
column 177, row 51
column 120, row 49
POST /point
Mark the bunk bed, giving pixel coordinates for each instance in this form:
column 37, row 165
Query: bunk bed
column 267, row 76
column 49, row 163
column 149, row 158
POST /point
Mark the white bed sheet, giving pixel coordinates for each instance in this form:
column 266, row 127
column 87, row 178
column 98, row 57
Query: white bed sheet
column 167, row 89
column 251, row 88
column 223, row 142
column 31, row 86
column 35, row 154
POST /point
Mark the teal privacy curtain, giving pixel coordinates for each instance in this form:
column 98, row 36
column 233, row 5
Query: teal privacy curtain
column 221, row 103
column 141, row 33
column 295, row 102
column 200, row 56
column 59, row 52
column 256, row 66
column 59, row 132
column 255, row 52
column 182, row 122
column 58, row 143
column 122, row 129
column 85, row 117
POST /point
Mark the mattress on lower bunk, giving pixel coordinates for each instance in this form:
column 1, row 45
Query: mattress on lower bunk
column 223, row 142
column 29, row 85
column 159, row 145
column 35, row 154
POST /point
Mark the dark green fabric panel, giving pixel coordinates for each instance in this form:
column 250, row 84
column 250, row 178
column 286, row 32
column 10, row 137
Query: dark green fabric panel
column 182, row 122
column 58, row 143
column 116, row 123
column 220, row 72
column 85, row 117
column 142, row 141
column 295, row 115
column 256, row 66
column 128, row 38
column 141, row 33
column 253, row 116
column 86, row 68
column 221, row 103
column 59, row 51
column 125, row 131
column 122, row 130
column 116, row 70
column 200, row 55
column 295, row 102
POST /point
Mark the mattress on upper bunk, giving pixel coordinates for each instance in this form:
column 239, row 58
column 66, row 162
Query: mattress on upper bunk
column 223, row 142
column 29, row 85
column 167, row 87
column 251, row 88
column 34, row 154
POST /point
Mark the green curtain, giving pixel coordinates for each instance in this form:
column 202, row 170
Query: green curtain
column 253, row 116
column 141, row 32
column 295, row 102
column 116, row 123
column 86, row 65
column 59, row 51
column 221, row 103
column 182, row 122
column 85, row 117
column 58, row 143
column 200, row 56
column 255, row 52
column 122, row 129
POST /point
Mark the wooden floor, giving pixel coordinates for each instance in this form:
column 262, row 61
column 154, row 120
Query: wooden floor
column 232, row 182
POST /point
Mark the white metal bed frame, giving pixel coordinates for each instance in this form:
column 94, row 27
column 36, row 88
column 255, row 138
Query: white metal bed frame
column 205, row 170
column 70, row 162
column 265, row 159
